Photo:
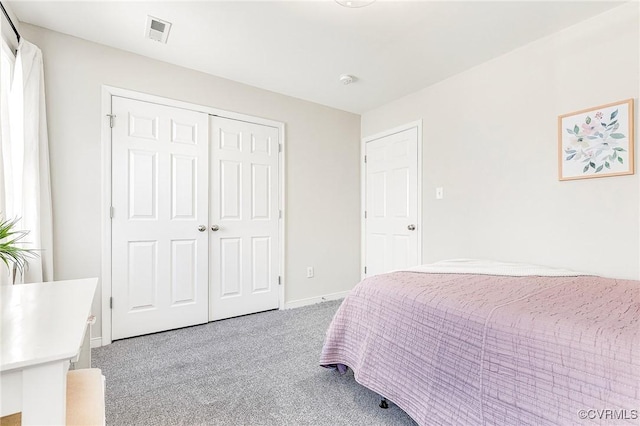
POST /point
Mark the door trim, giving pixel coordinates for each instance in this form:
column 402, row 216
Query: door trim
column 106, row 166
column 363, row 186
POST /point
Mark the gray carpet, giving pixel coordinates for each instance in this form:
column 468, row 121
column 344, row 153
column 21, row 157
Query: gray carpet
column 259, row 369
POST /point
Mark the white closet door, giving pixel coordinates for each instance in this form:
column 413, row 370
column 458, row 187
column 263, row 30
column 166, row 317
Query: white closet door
column 159, row 196
column 244, row 218
column 391, row 199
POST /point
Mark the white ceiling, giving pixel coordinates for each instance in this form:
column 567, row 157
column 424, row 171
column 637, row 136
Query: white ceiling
column 300, row 48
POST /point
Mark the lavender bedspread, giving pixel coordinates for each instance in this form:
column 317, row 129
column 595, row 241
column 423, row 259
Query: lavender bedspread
column 497, row 350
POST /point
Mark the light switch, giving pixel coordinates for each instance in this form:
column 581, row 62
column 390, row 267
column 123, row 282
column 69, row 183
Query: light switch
column 310, row 272
column 439, row 193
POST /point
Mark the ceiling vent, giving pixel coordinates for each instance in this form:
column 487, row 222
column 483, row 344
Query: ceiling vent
column 157, row 29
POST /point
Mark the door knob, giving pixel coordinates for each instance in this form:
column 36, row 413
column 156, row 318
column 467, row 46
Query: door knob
column 411, row 227
column 202, row 228
column 214, row 228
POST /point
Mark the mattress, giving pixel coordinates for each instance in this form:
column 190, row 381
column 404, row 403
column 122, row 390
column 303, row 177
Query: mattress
column 452, row 347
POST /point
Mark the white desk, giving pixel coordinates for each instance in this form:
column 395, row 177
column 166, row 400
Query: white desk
column 43, row 327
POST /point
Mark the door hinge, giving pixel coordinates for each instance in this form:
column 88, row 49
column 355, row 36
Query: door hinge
column 280, row 214
column 365, row 214
column 279, row 280
column 111, row 117
column 365, row 269
column 365, row 157
column 111, row 210
column 111, row 303
column 279, row 147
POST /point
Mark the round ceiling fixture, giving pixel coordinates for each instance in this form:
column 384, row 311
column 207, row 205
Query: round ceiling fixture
column 354, row 3
column 347, row 79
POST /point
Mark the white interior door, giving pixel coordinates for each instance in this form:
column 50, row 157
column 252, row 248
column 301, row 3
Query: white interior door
column 244, row 218
column 159, row 198
column 391, row 202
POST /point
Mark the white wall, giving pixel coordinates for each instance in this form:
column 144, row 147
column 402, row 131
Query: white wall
column 322, row 190
column 490, row 139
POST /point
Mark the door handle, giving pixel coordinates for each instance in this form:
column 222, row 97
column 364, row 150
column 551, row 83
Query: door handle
column 202, row 228
column 215, row 228
column 411, row 227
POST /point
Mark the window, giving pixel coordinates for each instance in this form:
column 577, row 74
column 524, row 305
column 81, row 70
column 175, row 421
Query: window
column 12, row 148
column 7, row 61
column 24, row 153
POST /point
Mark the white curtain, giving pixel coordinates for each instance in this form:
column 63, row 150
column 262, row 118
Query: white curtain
column 6, row 68
column 25, row 157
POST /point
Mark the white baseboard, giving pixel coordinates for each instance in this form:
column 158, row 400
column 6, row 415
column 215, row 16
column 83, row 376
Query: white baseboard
column 313, row 300
column 96, row 342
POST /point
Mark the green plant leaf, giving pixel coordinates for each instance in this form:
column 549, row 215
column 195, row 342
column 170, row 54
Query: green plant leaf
column 576, row 129
column 620, row 160
column 599, row 168
column 617, row 135
column 588, row 120
column 593, row 165
column 613, row 114
column 11, row 251
column 619, row 149
column 570, row 157
column 585, row 169
column 607, row 165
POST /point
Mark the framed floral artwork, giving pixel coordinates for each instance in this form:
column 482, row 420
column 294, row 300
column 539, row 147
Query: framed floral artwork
column 596, row 142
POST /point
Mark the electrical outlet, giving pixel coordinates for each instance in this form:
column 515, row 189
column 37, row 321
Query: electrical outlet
column 309, row 271
column 439, row 193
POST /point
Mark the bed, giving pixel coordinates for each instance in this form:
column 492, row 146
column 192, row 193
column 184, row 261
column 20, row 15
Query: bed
column 485, row 343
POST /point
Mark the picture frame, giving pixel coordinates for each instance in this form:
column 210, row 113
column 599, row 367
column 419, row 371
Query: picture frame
column 596, row 142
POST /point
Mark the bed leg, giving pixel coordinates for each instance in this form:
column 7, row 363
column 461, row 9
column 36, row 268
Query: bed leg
column 384, row 404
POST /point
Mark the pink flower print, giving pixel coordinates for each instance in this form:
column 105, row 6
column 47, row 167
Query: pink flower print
column 589, row 129
column 591, row 126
